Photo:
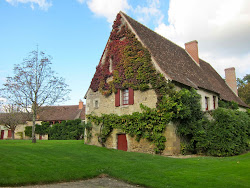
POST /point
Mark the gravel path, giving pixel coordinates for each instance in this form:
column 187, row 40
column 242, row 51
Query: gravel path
column 100, row 182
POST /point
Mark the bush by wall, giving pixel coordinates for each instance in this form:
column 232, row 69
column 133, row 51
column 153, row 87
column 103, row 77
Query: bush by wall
column 228, row 104
column 28, row 131
column 227, row 134
column 67, row 130
column 42, row 129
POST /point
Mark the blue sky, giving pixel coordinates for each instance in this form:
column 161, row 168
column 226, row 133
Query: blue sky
column 75, row 32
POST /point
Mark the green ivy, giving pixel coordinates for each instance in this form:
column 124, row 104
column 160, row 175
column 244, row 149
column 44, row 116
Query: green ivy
column 151, row 122
column 228, row 104
column 133, row 68
column 227, row 134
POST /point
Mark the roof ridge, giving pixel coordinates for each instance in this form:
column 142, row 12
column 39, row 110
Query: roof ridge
column 163, row 39
column 137, row 35
column 61, row 106
column 153, row 31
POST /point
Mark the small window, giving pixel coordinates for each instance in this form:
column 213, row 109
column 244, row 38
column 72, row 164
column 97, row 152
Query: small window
column 206, row 103
column 125, row 97
column 96, row 104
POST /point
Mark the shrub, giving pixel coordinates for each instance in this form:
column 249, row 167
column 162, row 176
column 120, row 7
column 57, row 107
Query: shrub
column 228, row 104
column 226, row 135
column 43, row 129
column 67, row 130
column 28, row 131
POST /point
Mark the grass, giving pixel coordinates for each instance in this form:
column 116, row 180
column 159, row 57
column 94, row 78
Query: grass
column 23, row 163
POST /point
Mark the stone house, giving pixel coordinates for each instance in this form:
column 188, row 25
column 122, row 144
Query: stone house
column 57, row 114
column 51, row 114
column 181, row 66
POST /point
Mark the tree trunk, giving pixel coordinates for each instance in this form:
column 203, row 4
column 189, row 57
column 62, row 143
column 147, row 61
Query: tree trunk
column 33, row 126
column 13, row 134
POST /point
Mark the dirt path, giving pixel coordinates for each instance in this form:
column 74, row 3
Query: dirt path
column 100, row 182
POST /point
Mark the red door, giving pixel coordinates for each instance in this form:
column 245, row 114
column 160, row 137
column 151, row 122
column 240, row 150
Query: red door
column 122, row 142
column 2, row 134
column 9, row 134
column 40, row 137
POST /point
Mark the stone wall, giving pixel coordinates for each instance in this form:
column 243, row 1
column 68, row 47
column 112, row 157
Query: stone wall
column 106, row 105
column 20, row 130
column 98, row 104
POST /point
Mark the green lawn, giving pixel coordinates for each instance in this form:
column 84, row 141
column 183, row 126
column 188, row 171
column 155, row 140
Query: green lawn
column 22, row 162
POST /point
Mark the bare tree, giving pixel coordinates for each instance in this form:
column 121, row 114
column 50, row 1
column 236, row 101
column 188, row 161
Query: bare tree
column 35, row 85
column 12, row 117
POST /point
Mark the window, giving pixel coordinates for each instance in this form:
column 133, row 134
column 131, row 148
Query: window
column 206, row 103
column 125, row 97
column 96, row 104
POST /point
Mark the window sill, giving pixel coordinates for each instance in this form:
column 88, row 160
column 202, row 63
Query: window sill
column 124, row 106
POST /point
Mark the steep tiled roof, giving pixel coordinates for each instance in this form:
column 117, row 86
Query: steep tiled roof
column 56, row 113
column 176, row 63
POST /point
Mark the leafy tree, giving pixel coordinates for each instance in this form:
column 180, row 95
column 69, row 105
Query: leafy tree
column 12, row 117
column 35, row 84
column 244, row 88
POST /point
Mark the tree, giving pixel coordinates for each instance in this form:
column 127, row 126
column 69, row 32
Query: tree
column 34, row 85
column 12, row 117
column 244, row 88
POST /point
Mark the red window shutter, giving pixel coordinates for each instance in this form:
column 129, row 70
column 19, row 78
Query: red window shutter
column 131, row 96
column 117, row 98
column 9, row 134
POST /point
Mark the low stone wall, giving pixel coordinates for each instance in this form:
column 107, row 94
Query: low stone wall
column 143, row 146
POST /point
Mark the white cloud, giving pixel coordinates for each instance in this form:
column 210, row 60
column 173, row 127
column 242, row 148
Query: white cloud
column 148, row 12
column 219, row 63
column 43, row 4
column 3, row 99
column 107, row 8
column 221, row 27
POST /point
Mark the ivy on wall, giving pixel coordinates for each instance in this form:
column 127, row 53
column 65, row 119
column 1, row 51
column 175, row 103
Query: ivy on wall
column 131, row 65
column 132, row 68
column 151, row 122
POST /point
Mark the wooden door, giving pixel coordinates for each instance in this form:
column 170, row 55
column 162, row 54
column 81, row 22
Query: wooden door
column 122, row 142
column 9, row 134
column 2, row 134
column 40, row 137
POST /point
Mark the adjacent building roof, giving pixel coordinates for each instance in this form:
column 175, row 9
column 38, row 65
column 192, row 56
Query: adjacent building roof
column 177, row 64
column 59, row 113
column 14, row 117
column 52, row 113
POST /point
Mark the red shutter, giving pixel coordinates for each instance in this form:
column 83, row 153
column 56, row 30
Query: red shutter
column 9, row 134
column 2, row 134
column 131, row 96
column 117, row 98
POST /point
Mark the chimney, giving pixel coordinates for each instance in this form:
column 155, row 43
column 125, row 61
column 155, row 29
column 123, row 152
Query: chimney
column 192, row 49
column 80, row 104
column 231, row 79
